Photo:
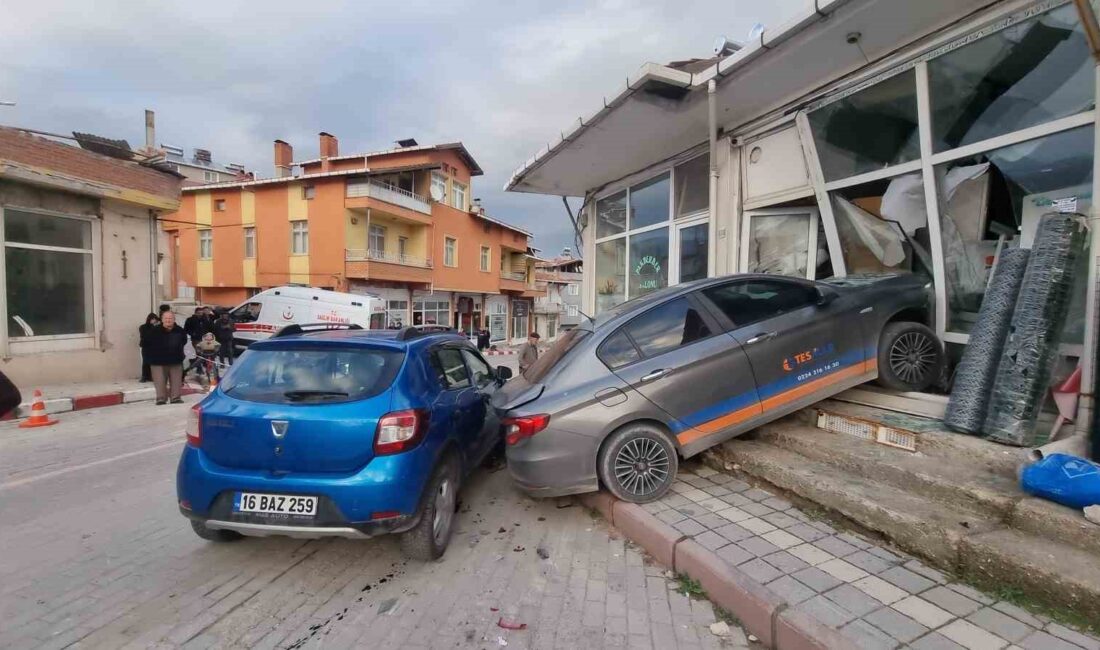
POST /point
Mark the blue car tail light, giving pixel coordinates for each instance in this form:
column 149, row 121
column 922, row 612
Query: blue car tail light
column 400, row 431
column 194, row 426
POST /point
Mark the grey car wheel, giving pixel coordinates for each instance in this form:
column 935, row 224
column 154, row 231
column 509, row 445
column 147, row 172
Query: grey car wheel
column 638, row 463
column 910, row 357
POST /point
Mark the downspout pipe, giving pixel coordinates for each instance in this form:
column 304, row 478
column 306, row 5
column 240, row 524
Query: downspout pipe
column 712, row 131
column 1086, row 407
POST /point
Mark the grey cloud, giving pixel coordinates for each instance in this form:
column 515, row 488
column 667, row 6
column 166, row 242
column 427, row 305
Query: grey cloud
column 503, row 77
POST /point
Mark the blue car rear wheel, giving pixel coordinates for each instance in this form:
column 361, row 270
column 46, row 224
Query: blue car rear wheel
column 428, row 539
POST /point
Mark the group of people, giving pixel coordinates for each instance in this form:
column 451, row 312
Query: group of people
column 163, row 344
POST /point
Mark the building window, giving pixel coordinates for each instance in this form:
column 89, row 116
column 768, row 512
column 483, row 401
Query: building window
column 1036, row 71
column 48, row 268
column 431, row 312
column 572, row 310
column 402, row 248
column 299, row 238
column 521, row 311
column 219, row 205
column 210, row 177
column 458, row 195
column 439, row 186
column 250, row 242
column 309, row 192
column 573, row 289
column 206, row 244
column 450, row 251
column 887, row 109
column 376, row 239
column 397, row 313
column 486, row 253
column 692, row 186
column 610, row 273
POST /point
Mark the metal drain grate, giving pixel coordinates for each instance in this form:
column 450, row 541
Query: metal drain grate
column 837, row 424
column 866, row 430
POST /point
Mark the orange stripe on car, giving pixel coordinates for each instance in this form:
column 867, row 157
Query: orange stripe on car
column 748, row 412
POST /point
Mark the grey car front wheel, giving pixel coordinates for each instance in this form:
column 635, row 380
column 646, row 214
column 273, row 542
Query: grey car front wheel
column 638, row 463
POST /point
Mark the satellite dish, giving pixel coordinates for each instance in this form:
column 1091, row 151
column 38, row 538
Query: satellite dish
column 436, row 193
column 756, row 31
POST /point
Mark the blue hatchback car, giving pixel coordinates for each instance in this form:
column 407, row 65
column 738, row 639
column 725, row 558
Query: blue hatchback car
column 349, row 433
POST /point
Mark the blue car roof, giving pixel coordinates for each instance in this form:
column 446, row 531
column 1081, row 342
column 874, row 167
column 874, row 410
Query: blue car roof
column 374, row 338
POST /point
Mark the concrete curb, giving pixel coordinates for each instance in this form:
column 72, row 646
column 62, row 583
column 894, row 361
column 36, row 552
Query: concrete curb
column 761, row 611
column 99, row 400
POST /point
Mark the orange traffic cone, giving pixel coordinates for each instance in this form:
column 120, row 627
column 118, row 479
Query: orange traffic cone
column 38, row 416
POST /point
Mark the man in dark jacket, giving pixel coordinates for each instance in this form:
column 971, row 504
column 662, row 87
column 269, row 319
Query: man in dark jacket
column 164, row 351
column 194, row 325
column 223, row 333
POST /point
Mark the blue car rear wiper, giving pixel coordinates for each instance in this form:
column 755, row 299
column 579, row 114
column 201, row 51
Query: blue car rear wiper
column 305, row 394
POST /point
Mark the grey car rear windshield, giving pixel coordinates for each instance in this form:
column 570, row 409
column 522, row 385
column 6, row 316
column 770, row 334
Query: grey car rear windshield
column 312, row 375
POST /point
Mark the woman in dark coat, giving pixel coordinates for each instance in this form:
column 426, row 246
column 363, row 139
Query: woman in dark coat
column 151, row 322
column 164, row 351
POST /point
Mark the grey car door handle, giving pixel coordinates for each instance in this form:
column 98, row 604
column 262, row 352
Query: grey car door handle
column 656, row 374
column 762, row 336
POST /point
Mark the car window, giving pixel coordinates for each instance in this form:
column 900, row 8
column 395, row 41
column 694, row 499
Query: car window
column 247, row 312
column 479, row 370
column 667, row 327
column 550, row 358
column 311, row 375
column 617, row 350
column 450, row 369
column 749, row 301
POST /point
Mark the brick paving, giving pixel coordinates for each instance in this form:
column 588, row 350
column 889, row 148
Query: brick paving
column 876, row 596
column 96, row 555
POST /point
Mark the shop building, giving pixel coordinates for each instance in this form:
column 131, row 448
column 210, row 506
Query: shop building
column 865, row 136
column 78, row 274
column 560, row 309
column 399, row 224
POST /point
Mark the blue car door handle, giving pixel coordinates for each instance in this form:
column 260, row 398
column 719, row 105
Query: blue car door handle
column 656, row 374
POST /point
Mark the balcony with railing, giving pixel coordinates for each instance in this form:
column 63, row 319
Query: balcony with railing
column 371, row 264
column 370, row 189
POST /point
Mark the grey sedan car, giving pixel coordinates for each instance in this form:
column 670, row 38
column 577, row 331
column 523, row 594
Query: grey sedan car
column 620, row 399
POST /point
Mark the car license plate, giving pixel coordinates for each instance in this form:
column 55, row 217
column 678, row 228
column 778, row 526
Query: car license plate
column 275, row 504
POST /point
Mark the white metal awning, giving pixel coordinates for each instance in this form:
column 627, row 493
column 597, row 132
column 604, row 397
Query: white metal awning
column 662, row 111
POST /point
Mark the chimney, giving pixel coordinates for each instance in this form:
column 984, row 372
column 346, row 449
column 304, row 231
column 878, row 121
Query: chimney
column 567, row 252
column 150, row 131
column 329, row 145
column 284, row 155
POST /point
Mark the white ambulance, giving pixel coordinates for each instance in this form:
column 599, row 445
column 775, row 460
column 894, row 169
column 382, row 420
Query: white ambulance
column 269, row 311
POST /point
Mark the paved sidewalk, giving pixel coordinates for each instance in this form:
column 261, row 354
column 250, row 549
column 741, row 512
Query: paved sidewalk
column 875, row 597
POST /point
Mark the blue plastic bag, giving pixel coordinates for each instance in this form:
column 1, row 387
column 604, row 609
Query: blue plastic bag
column 1064, row 479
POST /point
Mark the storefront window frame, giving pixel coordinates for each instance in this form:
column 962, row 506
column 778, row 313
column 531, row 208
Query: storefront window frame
column 666, row 169
column 53, row 342
column 929, row 159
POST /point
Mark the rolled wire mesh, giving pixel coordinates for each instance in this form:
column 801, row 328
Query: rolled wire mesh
column 969, row 399
column 1026, row 363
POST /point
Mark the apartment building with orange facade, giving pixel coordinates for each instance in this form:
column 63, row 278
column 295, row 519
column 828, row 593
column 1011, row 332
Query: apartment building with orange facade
column 399, row 224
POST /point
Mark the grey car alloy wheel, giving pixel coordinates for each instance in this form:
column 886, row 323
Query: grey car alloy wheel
column 641, row 466
column 638, row 463
column 912, row 356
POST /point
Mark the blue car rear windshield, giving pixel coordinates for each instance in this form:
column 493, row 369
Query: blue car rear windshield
column 312, row 375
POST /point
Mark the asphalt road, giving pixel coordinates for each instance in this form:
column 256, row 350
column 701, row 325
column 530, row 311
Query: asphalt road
column 95, row 554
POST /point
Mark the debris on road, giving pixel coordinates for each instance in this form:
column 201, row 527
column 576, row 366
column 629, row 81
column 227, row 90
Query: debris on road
column 502, row 529
column 1092, row 513
column 519, row 549
column 542, row 518
column 509, row 624
column 386, row 606
column 721, row 628
column 753, row 639
column 501, row 641
column 543, row 553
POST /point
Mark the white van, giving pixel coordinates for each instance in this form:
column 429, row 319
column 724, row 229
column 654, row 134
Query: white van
column 269, row 311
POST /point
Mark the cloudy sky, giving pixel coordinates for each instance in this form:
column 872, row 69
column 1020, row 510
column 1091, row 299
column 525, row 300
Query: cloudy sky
column 231, row 76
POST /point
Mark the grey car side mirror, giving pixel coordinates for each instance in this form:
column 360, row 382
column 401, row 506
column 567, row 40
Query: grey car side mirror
column 825, row 296
column 504, row 373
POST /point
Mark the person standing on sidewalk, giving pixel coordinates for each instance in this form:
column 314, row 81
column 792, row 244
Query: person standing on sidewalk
column 165, row 355
column 9, row 396
column 223, row 333
column 528, row 352
column 151, row 323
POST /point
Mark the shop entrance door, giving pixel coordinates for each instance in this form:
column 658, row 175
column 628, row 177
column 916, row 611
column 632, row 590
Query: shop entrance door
column 691, row 250
column 780, row 241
